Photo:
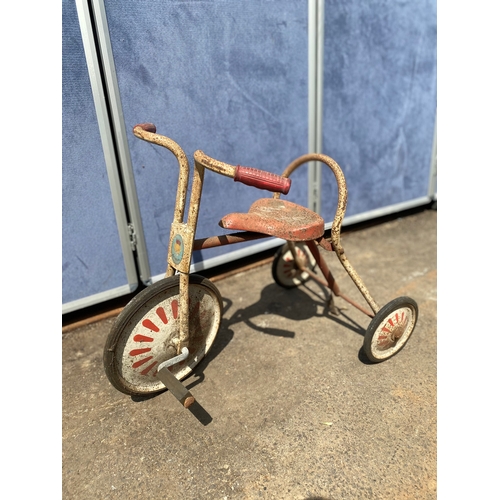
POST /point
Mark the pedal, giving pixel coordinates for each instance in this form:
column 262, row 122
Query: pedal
column 175, row 387
column 170, row 380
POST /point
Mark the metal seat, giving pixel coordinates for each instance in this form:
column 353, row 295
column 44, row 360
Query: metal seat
column 278, row 218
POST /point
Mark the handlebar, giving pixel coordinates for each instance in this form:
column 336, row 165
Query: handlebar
column 246, row 175
column 148, row 127
column 262, row 179
column 147, row 132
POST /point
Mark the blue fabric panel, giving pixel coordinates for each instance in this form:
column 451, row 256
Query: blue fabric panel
column 227, row 77
column 379, row 100
column 91, row 254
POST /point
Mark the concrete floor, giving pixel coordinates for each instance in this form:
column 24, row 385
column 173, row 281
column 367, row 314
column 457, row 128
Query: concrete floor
column 295, row 410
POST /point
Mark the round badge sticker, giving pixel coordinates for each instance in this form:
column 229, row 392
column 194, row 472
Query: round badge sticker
column 177, row 248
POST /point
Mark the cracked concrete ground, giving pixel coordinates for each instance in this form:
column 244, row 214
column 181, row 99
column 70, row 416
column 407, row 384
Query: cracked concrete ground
column 296, row 410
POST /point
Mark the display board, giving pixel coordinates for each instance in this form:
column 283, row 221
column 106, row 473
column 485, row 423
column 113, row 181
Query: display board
column 229, row 78
column 249, row 82
column 93, row 266
column 379, row 102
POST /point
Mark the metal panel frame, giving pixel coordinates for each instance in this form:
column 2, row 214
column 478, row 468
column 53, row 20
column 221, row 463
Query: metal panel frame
column 105, row 130
column 316, row 49
column 117, row 155
column 433, row 168
column 122, row 149
column 125, row 161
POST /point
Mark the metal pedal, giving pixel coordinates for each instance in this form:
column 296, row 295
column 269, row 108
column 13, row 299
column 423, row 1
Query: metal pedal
column 170, row 380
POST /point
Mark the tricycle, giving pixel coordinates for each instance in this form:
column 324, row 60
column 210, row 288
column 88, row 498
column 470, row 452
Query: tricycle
column 168, row 328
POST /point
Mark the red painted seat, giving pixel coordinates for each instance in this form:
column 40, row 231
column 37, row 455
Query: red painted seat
column 279, row 218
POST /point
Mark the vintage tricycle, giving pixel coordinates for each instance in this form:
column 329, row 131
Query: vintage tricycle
column 167, row 328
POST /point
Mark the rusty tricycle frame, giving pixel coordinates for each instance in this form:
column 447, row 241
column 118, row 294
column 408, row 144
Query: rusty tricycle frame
column 165, row 331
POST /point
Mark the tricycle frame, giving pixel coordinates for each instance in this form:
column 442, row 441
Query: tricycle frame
column 182, row 233
column 390, row 326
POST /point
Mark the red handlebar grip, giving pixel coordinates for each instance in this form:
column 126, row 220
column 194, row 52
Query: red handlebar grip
column 148, row 127
column 262, row 180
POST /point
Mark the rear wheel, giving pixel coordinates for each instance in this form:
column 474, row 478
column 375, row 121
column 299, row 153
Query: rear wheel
column 390, row 329
column 285, row 270
column 145, row 333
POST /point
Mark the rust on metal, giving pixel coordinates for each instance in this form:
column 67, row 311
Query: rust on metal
column 338, row 218
column 183, row 312
column 181, row 246
column 326, row 244
column 341, row 185
column 226, row 239
column 278, row 218
column 356, row 305
column 332, row 284
column 144, row 132
column 215, row 165
column 147, row 132
column 266, row 217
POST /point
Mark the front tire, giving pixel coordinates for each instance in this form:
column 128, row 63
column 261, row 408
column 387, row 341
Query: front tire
column 143, row 335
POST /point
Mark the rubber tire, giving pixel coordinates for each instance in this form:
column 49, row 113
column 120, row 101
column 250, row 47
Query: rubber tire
column 278, row 263
column 130, row 320
column 380, row 320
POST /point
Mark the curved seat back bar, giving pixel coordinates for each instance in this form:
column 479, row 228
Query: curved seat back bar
column 338, row 218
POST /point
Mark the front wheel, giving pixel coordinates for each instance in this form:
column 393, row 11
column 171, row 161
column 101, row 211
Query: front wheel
column 145, row 333
column 390, row 329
